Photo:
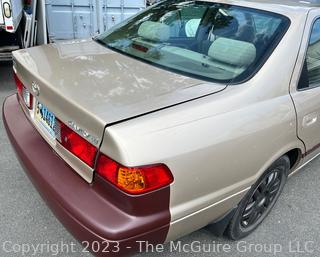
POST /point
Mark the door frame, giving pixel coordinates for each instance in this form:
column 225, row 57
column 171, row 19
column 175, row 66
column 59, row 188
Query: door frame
column 311, row 18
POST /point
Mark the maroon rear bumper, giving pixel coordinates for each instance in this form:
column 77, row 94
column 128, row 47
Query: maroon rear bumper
column 95, row 212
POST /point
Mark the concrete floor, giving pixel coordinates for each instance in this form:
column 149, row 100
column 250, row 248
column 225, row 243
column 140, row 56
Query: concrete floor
column 25, row 219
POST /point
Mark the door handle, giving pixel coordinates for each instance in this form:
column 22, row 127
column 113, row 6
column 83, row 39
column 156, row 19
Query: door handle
column 309, row 119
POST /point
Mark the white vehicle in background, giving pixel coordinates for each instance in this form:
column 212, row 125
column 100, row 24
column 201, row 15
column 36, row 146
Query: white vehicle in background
column 11, row 14
column 11, row 38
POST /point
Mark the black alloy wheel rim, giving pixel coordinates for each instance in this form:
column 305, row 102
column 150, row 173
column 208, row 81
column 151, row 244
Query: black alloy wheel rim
column 262, row 199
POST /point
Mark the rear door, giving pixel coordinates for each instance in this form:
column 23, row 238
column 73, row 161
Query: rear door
column 305, row 88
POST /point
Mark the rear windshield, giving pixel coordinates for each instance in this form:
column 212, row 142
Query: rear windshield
column 216, row 42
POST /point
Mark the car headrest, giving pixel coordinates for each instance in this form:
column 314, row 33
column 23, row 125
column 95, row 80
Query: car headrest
column 192, row 27
column 154, row 31
column 234, row 52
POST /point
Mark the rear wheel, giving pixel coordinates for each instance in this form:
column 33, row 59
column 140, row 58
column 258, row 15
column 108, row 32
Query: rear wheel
column 258, row 203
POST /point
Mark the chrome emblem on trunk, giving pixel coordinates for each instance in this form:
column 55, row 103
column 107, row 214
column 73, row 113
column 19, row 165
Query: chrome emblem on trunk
column 35, row 88
column 93, row 140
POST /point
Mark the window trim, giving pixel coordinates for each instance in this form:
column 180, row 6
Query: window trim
column 315, row 19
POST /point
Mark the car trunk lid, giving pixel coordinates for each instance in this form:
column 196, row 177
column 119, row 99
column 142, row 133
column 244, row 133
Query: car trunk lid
column 88, row 87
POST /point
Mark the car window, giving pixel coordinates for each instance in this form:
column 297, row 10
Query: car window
column 264, row 24
column 312, row 59
column 185, row 21
column 211, row 41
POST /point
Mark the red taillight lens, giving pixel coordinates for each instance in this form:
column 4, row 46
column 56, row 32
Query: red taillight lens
column 18, row 84
column 76, row 144
column 9, row 28
column 23, row 92
column 134, row 180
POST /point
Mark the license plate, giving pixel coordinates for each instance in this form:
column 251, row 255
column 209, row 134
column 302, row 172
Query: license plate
column 46, row 119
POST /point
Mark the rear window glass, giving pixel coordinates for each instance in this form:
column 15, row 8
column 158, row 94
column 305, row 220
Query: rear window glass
column 217, row 42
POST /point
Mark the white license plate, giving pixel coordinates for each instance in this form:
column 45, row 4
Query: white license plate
column 46, row 119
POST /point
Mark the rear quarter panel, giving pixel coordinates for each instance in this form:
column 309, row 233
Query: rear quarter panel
column 214, row 158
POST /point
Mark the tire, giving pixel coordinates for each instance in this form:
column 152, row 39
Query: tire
column 259, row 201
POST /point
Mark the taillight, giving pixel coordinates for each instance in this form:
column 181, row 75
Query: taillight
column 134, row 180
column 24, row 93
column 75, row 143
column 18, row 83
column 9, row 28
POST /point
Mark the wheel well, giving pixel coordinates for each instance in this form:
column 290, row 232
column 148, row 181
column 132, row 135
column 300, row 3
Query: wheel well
column 294, row 156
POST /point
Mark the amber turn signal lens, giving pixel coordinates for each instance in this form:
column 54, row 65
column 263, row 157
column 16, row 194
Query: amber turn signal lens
column 131, row 179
